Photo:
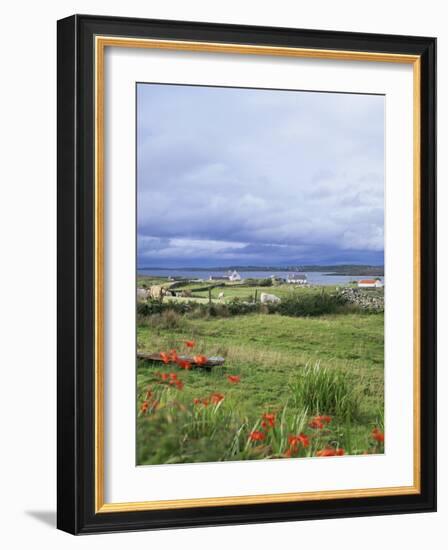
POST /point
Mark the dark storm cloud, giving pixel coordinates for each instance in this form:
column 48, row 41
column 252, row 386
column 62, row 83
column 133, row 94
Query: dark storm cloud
column 255, row 176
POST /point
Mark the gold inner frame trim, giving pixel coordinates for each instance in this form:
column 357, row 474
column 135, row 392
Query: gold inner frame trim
column 101, row 42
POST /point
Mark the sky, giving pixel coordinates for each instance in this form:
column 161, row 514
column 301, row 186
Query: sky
column 229, row 176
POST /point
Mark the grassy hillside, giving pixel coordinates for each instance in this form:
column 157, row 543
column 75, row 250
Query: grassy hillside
column 268, row 355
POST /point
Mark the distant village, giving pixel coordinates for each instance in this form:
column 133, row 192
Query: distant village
column 292, row 278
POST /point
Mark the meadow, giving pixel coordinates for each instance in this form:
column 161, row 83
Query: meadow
column 290, row 386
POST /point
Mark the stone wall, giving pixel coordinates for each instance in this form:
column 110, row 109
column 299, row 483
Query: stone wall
column 368, row 298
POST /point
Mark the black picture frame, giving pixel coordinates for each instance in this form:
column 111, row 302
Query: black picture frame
column 76, row 286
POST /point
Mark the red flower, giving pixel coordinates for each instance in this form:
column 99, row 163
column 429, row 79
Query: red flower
column 329, row 451
column 165, row 357
column 268, row 420
column 204, row 402
column 378, row 435
column 173, row 355
column 318, row 422
column 304, row 440
column 186, row 365
column 200, row 359
column 296, row 440
column 165, row 376
column 256, row 435
column 190, row 343
column 233, row 378
column 216, row 397
column 326, row 452
column 144, row 407
column 173, row 376
column 178, row 383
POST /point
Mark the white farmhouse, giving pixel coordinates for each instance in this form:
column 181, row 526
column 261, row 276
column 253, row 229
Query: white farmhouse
column 234, row 276
column 297, row 279
column 370, row 283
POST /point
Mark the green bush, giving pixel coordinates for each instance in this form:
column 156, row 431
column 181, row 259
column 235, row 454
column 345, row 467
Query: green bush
column 323, row 390
column 152, row 307
column 168, row 319
column 300, row 304
column 196, row 309
column 258, row 282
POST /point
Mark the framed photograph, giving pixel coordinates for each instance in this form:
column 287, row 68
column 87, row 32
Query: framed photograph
column 246, row 274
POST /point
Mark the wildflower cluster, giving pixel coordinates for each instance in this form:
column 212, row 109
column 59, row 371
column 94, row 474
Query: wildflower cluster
column 276, row 433
column 171, row 379
column 377, row 435
column 267, row 422
column 213, row 399
column 150, row 402
column 331, row 451
column 319, row 422
column 294, row 444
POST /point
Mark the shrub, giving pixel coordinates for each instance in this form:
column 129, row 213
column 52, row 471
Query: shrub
column 168, row 319
column 258, row 282
column 152, row 307
column 324, row 390
column 149, row 307
column 300, row 304
column 238, row 307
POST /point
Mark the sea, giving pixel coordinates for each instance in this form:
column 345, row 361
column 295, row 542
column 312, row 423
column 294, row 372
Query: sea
column 313, row 277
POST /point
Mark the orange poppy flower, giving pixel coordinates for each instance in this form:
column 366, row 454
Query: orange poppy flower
column 173, row 355
column 329, row 451
column 190, row 343
column 204, row 402
column 216, row 397
column 200, row 359
column 296, row 440
column 319, row 422
column 183, row 364
column 144, row 407
column 178, row 383
column 268, row 420
column 256, row 435
column 165, row 376
column 316, row 424
column 165, row 357
column 326, row 452
column 378, row 435
column 233, row 378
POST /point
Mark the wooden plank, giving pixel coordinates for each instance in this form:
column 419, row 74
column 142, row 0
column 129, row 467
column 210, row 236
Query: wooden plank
column 211, row 361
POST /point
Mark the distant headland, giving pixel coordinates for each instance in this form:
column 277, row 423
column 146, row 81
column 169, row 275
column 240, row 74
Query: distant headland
column 343, row 269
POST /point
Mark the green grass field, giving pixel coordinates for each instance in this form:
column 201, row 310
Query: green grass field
column 275, row 358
